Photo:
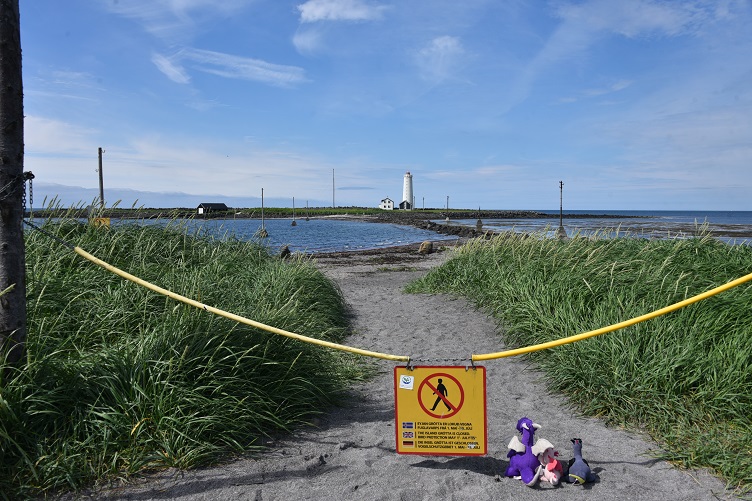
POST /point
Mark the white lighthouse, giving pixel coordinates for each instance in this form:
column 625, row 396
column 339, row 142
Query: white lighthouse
column 407, row 192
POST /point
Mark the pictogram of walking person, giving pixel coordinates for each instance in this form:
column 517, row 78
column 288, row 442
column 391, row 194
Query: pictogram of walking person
column 440, row 388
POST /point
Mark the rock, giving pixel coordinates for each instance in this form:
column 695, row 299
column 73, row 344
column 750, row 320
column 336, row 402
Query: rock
column 426, row 247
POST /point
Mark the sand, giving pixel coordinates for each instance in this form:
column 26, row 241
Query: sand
column 350, row 452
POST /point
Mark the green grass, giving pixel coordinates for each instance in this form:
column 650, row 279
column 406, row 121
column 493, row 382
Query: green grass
column 120, row 379
column 685, row 378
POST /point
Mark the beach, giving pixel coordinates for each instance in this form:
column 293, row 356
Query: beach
column 349, row 452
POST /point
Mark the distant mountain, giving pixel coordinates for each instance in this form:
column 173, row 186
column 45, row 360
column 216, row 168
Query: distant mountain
column 77, row 196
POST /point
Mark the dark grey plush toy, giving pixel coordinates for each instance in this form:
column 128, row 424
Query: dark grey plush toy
column 579, row 470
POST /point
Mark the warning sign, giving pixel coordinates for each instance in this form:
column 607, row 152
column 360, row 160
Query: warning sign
column 440, row 410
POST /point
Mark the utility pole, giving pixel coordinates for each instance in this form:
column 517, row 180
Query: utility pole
column 12, row 252
column 101, row 182
column 332, row 188
column 561, row 233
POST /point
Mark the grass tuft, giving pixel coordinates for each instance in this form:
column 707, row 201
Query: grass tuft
column 686, row 377
column 119, row 379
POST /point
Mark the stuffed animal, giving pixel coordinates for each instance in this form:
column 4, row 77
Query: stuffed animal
column 550, row 468
column 522, row 461
column 579, row 470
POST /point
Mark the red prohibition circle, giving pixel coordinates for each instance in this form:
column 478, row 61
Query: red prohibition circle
column 432, row 413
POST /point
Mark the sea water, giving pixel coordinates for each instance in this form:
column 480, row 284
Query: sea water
column 311, row 236
column 333, row 235
column 731, row 226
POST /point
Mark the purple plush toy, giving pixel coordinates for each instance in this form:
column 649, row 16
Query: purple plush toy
column 522, row 461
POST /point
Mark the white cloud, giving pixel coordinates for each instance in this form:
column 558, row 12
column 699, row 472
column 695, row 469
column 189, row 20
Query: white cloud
column 639, row 18
column 339, row 10
column 63, row 85
column 174, row 72
column 630, row 19
column 440, row 59
column 75, row 80
column 228, row 66
column 174, row 20
column 179, row 164
column 584, row 24
column 58, row 151
column 472, row 174
column 243, row 68
column 693, row 137
column 43, row 136
column 308, row 41
column 495, row 170
column 597, row 91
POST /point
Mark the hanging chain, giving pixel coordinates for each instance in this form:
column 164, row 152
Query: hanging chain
column 31, row 192
column 27, row 176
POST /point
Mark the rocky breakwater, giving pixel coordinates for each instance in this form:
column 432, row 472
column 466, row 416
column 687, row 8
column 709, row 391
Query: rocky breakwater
column 427, row 220
column 453, row 229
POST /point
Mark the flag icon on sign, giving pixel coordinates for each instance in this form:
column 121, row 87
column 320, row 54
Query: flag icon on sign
column 407, row 425
column 408, row 443
column 408, row 434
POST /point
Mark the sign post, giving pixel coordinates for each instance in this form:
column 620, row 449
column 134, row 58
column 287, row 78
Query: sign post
column 441, row 410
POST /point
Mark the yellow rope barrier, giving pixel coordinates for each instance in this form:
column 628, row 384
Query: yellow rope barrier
column 400, row 358
column 404, row 358
column 611, row 328
column 236, row 318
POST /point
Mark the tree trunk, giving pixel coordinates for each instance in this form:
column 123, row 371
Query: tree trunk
column 12, row 255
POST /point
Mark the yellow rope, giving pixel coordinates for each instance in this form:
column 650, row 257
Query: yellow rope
column 236, row 318
column 611, row 328
column 404, row 358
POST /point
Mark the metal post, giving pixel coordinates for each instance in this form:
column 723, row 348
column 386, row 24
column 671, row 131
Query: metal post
column 261, row 232
column 101, row 182
column 561, row 233
column 293, row 213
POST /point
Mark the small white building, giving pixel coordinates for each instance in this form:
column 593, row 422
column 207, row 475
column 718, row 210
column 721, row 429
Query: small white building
column 387, row 204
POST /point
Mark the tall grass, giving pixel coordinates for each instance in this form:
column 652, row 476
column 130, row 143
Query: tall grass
column 120, row 379
column 686, row 378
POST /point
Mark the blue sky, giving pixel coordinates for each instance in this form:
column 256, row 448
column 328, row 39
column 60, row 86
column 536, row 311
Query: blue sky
column 636, row 104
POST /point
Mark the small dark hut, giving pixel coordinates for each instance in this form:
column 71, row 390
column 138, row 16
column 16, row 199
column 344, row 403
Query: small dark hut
column 205, row 209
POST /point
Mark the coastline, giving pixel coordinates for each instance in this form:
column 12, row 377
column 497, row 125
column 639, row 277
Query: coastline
column 634, row 225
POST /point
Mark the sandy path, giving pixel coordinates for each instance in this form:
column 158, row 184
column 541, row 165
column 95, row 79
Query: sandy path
column 351, row 453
